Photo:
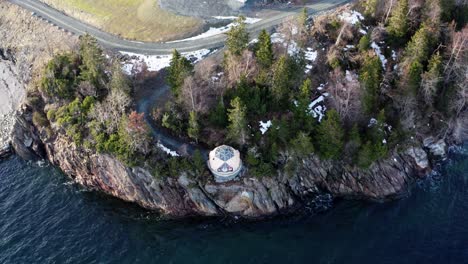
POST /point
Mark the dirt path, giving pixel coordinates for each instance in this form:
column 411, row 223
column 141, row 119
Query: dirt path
column 155, row 92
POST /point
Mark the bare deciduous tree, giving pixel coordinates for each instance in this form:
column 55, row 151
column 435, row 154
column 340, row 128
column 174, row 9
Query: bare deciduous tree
column 137, row 133
column 237, row 67
column 346, row 33
column 345, row 93
column 456, row 69
column 110, row 111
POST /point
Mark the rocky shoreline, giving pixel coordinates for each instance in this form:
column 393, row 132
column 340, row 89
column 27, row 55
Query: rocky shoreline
column 185, row 194
column 250, row 197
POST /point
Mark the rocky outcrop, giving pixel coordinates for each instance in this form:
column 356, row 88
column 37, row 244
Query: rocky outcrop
column 26, row 44
column 182, row 195
column 11, row 94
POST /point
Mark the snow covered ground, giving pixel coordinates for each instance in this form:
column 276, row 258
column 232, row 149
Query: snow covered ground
column 310, row 55
column 167, row 150
column 264, row 126
column 378, row 51
column 352, row 17
column 156, row 62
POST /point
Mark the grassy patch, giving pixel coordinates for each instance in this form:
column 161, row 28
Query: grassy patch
column 131, row 19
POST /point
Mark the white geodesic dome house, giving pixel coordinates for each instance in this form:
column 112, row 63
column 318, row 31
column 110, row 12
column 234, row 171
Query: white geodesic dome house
column 224, row 163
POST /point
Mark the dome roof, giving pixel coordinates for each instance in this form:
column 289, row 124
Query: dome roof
column 225, row 163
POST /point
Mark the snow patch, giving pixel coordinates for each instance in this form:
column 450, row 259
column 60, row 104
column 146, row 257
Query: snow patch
column 264, row 126
column 348, row 47
column 316, row 110
column 167, row 150
column 158, row 62
column 352, row 17
column 378, row 51
column 310, row 55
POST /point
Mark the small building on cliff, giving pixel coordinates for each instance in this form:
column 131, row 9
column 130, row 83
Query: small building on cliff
column 224, row 163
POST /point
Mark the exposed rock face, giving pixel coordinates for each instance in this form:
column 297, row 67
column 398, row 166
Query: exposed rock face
column 26, row 44
column 248, row 197
column 12, row 93
column 437, row 148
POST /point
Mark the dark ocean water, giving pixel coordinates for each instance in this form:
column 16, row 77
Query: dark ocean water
column 46, row 219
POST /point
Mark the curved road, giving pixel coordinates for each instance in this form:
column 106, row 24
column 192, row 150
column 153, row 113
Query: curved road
column 113, row 42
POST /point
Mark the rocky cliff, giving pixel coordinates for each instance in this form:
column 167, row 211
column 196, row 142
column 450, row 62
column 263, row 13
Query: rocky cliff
column 182, row 195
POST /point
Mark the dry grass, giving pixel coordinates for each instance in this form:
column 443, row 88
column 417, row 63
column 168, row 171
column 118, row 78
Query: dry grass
column 131, row 19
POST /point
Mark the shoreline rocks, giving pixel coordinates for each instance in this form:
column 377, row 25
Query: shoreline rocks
column 250, row 197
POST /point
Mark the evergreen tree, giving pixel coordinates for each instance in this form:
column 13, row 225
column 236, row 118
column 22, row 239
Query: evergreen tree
column 366, row 155
column 92, row 67
column 398, row 24
column 265, row 51
column 179, row 68
column 193, row 128
column 281, row 79
column 432, row 78
column 237, row 37
column 379, row 137
column 303, row 18
column 302, row 145
column 418, row 49
column 364, row 43
column 355, row 136
column 218, row 116
column 414, row 76
column 353, row 145
column 330, row 136
column 370, row 6
column 198, row 162
column 237, row 129
column 60, row 76
column 370, row 77
column 303, row 120
column 118, row 80
column 448, row 7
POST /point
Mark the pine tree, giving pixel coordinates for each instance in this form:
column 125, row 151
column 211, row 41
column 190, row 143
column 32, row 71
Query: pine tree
column 431, row 79
column 303, row 18
column 198, row 162
column 237, row 129
column 418, row 49
column 118, row 80
column 364, row 43
column 354, row 136
column 366, row 155
column 414, row 76
column 398, row 25
column 370, row 77
column 265, row 51
column 237, row 37
column 370, row 6
column 281, row 82
column 92, row 68
column 179, row 68
column 193, row 128
column 302, row 118
column 330, row 136
column 302, row 145
column 379, row 138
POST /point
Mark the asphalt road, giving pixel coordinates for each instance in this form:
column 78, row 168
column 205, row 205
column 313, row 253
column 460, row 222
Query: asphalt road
column 75, row 26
